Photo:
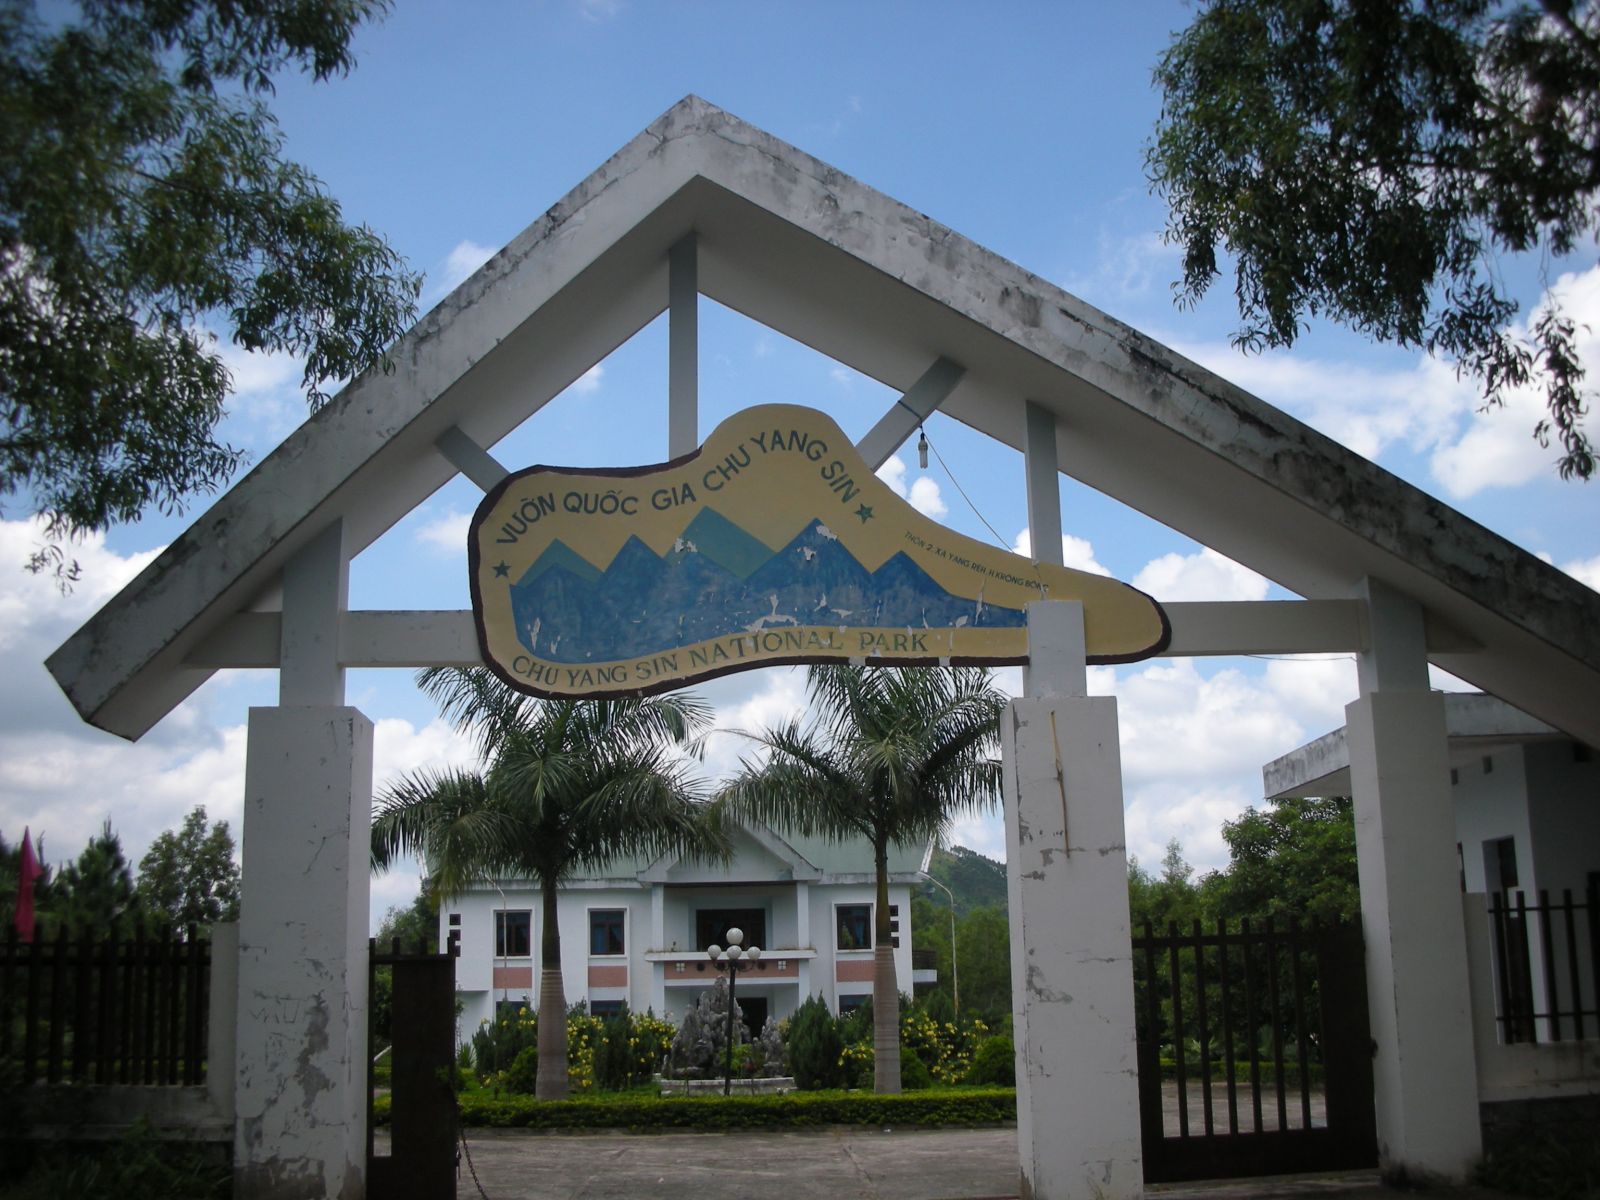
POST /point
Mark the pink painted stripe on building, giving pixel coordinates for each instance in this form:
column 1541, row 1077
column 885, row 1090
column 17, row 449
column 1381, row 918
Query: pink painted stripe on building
column 853, row 970
column 608, row 975
column 513, row 977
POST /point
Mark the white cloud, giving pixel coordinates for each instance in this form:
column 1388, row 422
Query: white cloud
column 842, row 376
column 588, row 383
column 446, row 533
column 1365, row 409
column 923, row 494
column 1426, row 407
column 1498, row 449
column 599, row 11
column 779, row 696
column 1585, row 571
column 1126, row 269
column 460, row 264
column 1206, row 575
column 1076, row 552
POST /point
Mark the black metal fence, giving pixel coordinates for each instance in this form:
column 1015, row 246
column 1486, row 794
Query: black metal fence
column 1547, row 966
column 112, row 1011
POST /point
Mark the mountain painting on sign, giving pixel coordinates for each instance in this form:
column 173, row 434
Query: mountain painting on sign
column 773, row 543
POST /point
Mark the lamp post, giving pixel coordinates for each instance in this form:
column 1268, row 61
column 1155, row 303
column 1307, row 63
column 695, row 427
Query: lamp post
column 955, row 977
column 732, row 960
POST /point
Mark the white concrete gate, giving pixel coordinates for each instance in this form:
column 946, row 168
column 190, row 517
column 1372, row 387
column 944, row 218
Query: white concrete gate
column 703, row 204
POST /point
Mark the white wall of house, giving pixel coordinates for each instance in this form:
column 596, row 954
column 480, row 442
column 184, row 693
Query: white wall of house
column 663, row 967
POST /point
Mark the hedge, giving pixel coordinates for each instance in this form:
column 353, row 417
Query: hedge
column 967, row 1106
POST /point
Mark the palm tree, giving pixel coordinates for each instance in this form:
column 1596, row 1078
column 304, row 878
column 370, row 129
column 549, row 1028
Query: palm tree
column 891, row 756
column 570, row 785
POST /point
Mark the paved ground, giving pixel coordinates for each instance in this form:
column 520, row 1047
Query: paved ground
column 831, row 1164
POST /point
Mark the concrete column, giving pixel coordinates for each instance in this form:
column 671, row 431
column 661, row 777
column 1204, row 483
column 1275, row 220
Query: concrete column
column 316, row 591
column 1071, row 952
column 1043, row 472
column 683, row 347
column 658, row 941
column 300, row 1077
column 1418, row 990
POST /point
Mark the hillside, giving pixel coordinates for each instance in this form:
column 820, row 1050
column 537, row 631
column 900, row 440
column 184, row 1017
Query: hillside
column 974, row 881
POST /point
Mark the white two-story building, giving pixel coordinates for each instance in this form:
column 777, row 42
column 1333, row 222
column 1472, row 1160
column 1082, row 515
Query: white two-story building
column 638, row 931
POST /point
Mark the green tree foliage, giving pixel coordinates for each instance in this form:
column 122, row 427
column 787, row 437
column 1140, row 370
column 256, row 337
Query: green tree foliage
column 983, row 944
column 189, row 877
column 974, row 880
column 144, row 198
column 1294, row 858
column 891, row 757
column 1171, row 896
column 570, row 785
column 1368, row 162
column 95, row 894
column 814, row 1046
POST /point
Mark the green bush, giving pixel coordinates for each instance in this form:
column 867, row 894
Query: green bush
column 938, row 1107
column 522, row 1076
column 995, row 1063
column 613, row 1060
column 1550, row 1165
column 814, row 1046
column 138, row 1166
column 914, row 1073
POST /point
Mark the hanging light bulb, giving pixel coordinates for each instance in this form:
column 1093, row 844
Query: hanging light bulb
column 922, row 449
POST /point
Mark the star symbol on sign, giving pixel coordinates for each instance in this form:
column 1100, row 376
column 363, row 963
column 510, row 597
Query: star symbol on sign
column 864, row 513
column 502, row 570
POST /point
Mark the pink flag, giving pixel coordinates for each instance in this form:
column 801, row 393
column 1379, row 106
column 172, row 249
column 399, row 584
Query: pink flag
column 31, row 870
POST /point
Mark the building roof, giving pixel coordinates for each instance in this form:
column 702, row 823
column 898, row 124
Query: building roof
column 1473, row 722
column 791, row 242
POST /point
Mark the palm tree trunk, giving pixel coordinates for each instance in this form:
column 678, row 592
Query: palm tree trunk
column 885, row 990
column 552, row 1081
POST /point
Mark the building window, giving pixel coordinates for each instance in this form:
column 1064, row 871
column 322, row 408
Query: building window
column 855, row 926
column 606, row 931
column 711, row 926
column 513, row 934
column 605, row 1008
column 849, row 1004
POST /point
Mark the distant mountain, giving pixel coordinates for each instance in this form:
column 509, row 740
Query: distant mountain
column 974, row 881
column 717, row 580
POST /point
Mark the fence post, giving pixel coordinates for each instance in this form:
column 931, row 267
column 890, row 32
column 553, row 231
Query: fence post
column 221, row 1007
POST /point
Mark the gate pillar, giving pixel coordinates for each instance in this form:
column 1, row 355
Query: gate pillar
column 1417, row 985
column 1071, row 953
column 301, row 1073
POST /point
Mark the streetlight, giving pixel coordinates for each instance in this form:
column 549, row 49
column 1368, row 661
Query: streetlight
column 732, row 960
column 955, row 978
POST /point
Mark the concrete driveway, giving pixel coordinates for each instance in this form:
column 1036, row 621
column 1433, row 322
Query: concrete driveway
column 824, row 1164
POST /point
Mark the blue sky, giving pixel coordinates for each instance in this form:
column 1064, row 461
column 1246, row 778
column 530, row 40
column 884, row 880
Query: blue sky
column 1021, row 126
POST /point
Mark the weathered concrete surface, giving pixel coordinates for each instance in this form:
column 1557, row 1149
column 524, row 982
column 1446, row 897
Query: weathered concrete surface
column 1419, row 997
column 1071, row 958
column 300, row 1092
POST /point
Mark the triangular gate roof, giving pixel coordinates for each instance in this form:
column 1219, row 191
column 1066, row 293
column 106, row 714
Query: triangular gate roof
column 790, row 242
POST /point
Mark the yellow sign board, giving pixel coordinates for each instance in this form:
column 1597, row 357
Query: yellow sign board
column 772, row 543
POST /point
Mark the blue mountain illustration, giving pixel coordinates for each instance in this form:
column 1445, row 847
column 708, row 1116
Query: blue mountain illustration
column 718, row 580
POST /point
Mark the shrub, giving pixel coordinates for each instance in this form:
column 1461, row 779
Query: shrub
column 523, row 1073
column 613, row 1068
column 814, row 1046
column 995, row 1063
column 914, row 1074
column 929, row 1109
